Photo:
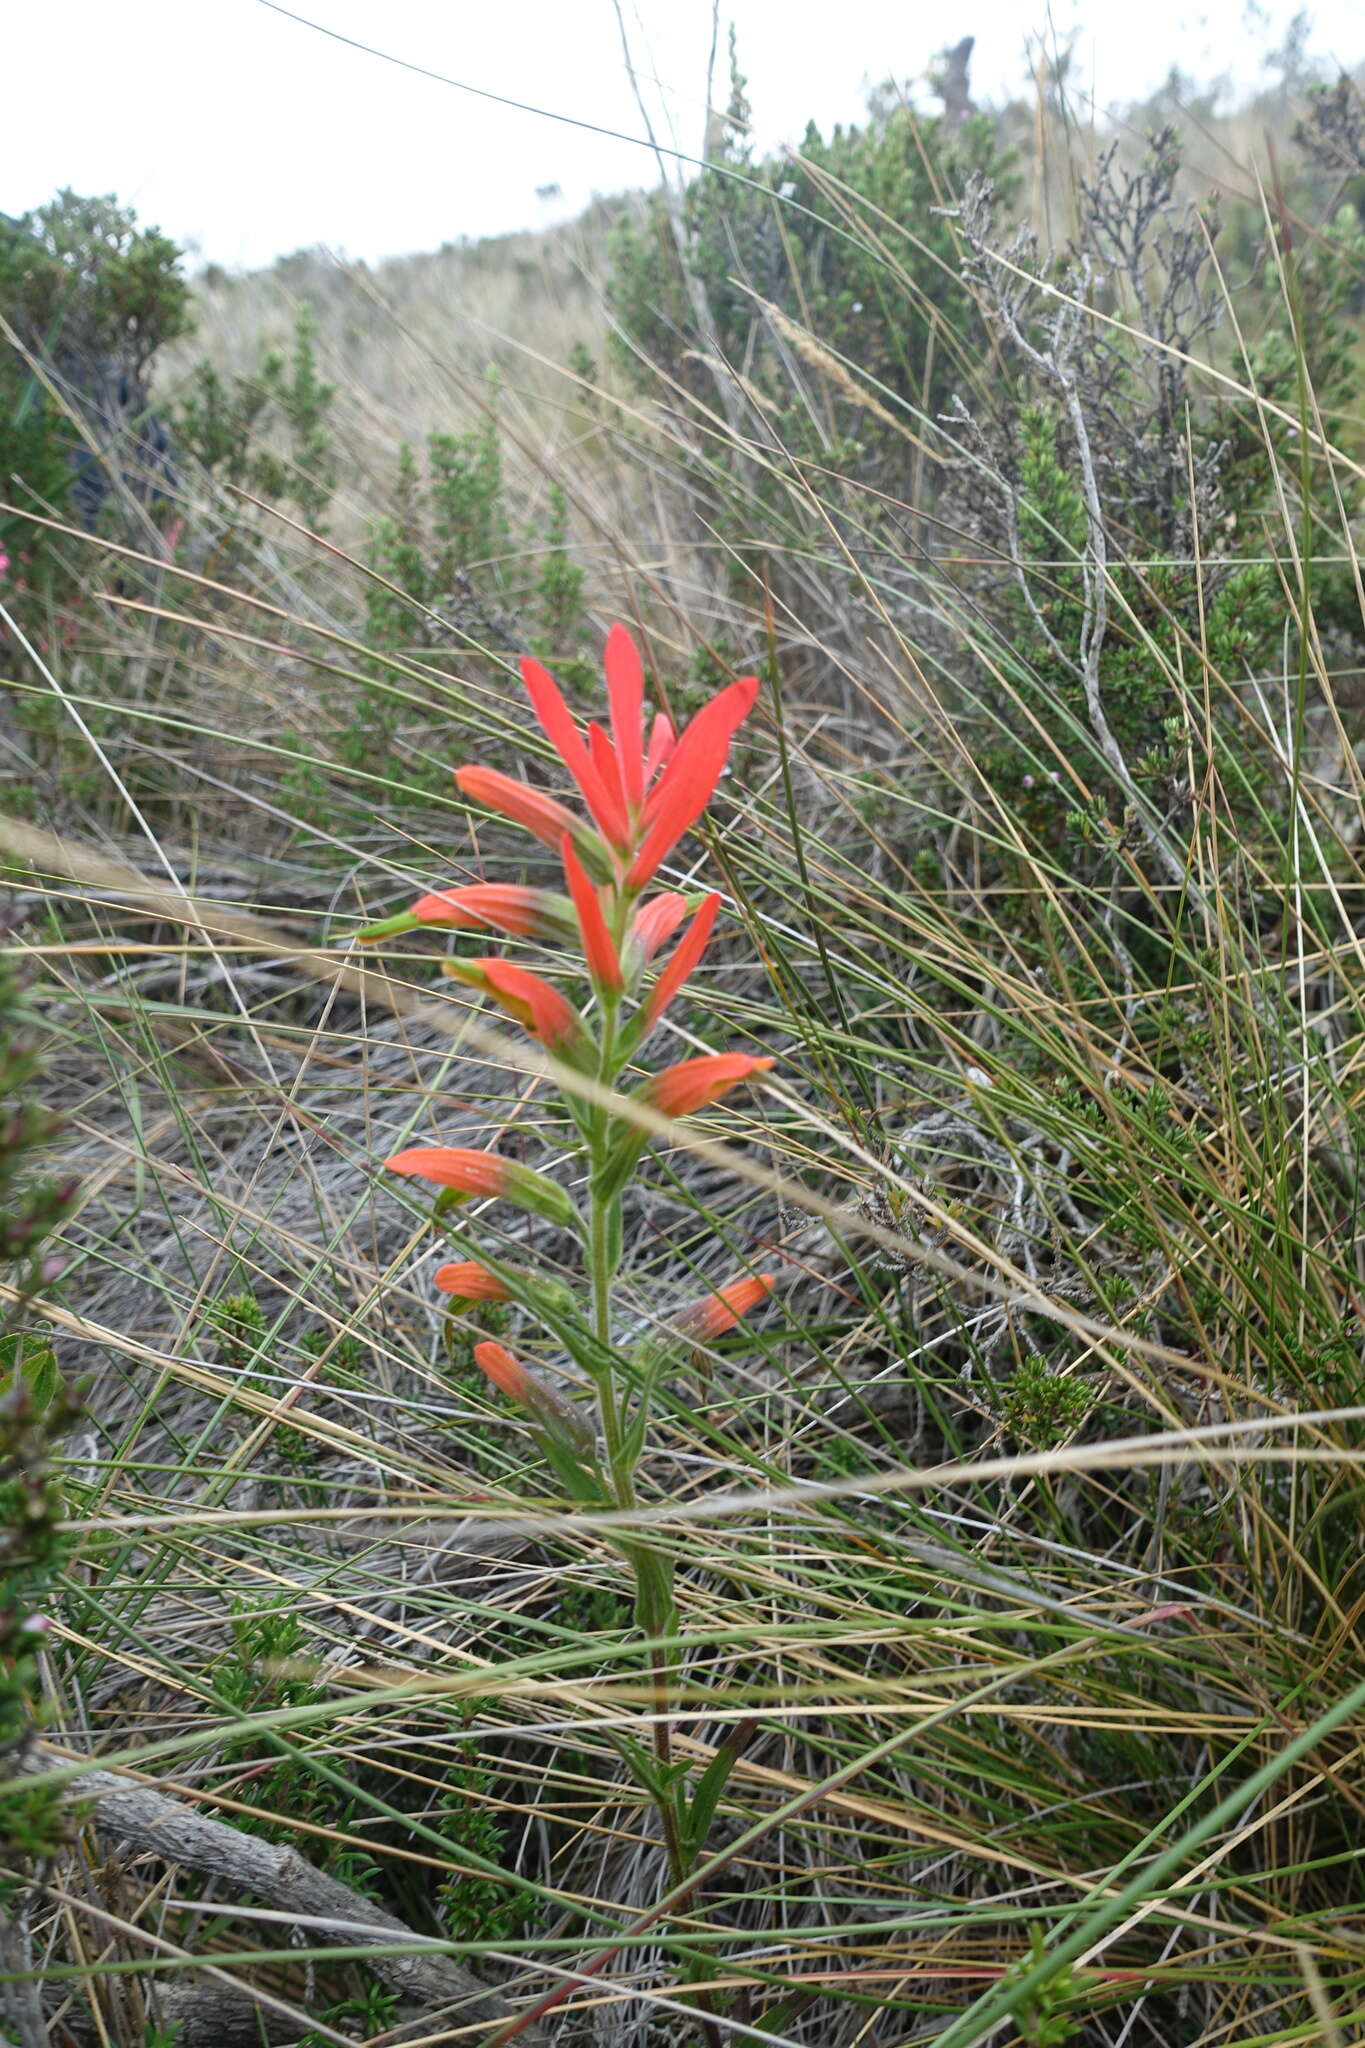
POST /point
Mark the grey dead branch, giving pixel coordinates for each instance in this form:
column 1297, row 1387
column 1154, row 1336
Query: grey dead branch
column 131, row 1818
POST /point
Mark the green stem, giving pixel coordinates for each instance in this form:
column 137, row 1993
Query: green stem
column 655, row 1609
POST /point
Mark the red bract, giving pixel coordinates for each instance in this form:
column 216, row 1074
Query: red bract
column 599, row 949
column 685, row 957
column 692, row 1084
column 661, row 744
column 642, row 803
column 626, row 689
column 538, row 812
column 535, row 1003
column 688, row 782
column 470, row 1282
column 720, row 1311
column 484, row 906
column 655, row 922
column 556, row 722
column 450, row 1166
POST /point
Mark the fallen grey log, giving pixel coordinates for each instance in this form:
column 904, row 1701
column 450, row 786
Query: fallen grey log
column 130, row 1815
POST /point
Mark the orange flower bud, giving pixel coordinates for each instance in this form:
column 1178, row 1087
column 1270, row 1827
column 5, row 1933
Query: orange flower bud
column 501, row 906
column 534, row 1002
column 468, row 1281
column 557, row 1421
column 719, row 1312
column 508, row 1375
column 539, row 812
column 486, row 1173
column 693, row 1084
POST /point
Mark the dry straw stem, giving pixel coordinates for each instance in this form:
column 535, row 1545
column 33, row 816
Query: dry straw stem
column 1211, row 1443
column 68, row 860
column 834, row 367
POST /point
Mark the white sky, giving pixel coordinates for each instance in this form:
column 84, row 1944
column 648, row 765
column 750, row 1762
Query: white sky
column 246, row 134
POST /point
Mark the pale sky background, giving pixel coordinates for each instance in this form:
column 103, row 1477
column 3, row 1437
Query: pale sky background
column 246, row 134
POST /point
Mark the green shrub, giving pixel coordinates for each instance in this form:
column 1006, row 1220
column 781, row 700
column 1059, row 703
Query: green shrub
column 89, row 297
column 232, row 429
column 846, row 252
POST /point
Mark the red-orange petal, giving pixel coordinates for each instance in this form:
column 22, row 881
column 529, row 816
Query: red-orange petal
column 662, row 741
column 604, row 760
column 535, row 1003
column 686, row 954
column 508, row 1374
column 688, row 782
column 498, row 906
column 556, row 721
column 468, row 1281
column 598, row 948
column 452, row 1166
column 692, row 1084
column 655, row 922
column 625, row 691
column 719, row 1312
column 534, row 808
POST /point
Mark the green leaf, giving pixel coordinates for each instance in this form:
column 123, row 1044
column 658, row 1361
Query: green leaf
column 712, row 1782
column 36, row 1366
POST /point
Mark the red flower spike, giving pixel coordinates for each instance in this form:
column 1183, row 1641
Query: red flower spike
column 693, row 1084
column 556, row 722
column 536, row 1004
column 626, row 689
column 502, row 906
column 543, row 815
column 468, row 1281
column 508, row 1375
column 720, row 1311
column 655, row 922
column 662, row 741
column 685, row 957
column 688, row 782
column 598, row 948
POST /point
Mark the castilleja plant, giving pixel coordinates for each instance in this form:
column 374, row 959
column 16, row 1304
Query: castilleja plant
column 640, row 796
